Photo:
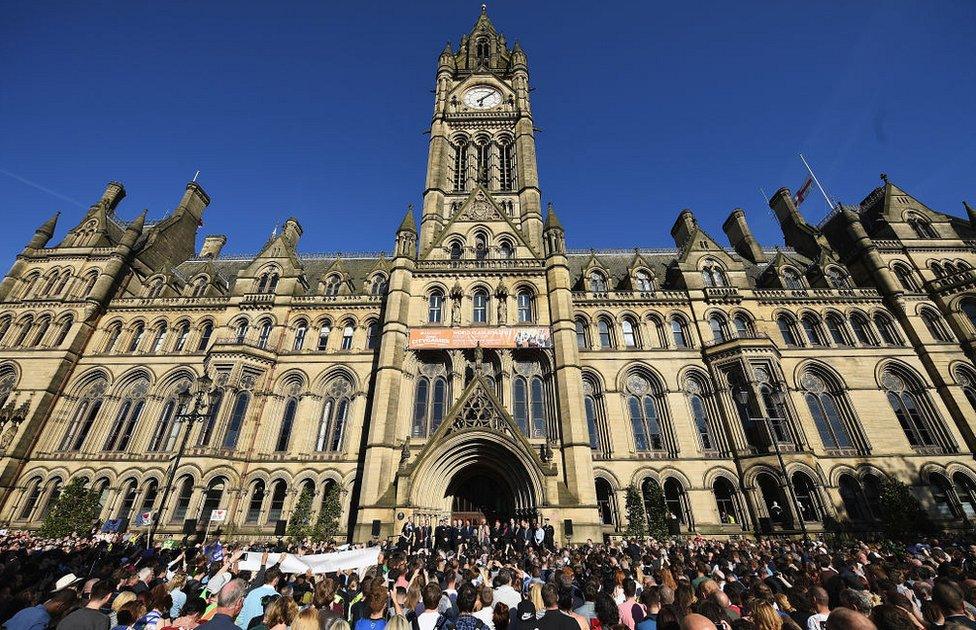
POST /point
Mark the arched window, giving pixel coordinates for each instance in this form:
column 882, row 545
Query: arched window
column 212, row 498
column 332, row 285
column 53, row 494
column 167, row 429
column 483, row 50
column 835, row 326
column 379, row 284
column 483, row 167
column 435, row 307
column 727, row 502
column 921, row 227
column 582, row 334
column 373, row 335
column 605, row 501
column 717, row 324
column 965, row 493
column 743, row 329
column 699, row 415
column 678, row 333
column 149, row 498
column 811, row 328
column 200, row 288
column 183, row 497
column 347, row 333
column 159, row 339
column 255, row 503
column 32, row 495
column 506, row 164
column 605, row 328
column 786, row 329
column 852, row 497
column 773, row 408
column 529, row 404
column 598, row 282
column 967, row 381
column 206, row 332
column 4, row 326
column 324, row 331
column 969, row 310
column 791, row 279
column 644, row 282
column 935, row 326
column 287, row 423
column 40, row 330
column 806, row 497
column 84, row 417
column 838, row 278
column 279, row 490
column 301, row 330
column 138, row 332
column 942, row 496
column 268, row 282
column 595, row 422
column 456, row 250
column 129, row 492
column 461, row 165
column 524, row 299
column 906, row 405
column 676, row 500
column 430, row 401
column 480, row 246
column 182, row 333
column 335, row 413
column 887, row 329
column 64, row 327
column 240, row 331
column 265, row 333
column 629, row 330
column 479, row 313
column 862, row 330
column 644, row 418
column 824, row 406
column 25, row 327
column 238, row 413
column 906, row 278
column 206, row 432
column 506, row 251
column 127, row 417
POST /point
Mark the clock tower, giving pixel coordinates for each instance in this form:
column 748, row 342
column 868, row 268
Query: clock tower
column 481, row 137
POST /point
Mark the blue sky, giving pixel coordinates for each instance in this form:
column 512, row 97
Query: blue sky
column 316, row 110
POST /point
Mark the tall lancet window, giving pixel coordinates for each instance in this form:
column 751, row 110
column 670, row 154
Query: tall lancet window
column 461, row 165
column 506, row 158
column 484, row 162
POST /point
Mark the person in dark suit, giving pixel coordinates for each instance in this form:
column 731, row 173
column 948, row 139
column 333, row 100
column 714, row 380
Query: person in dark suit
column 424, row 535
column 553, row 619
column 442, row 541
column 550, row 535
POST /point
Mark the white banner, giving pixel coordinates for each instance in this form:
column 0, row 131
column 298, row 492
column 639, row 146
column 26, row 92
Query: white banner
column 218, row 516
column 359, row 559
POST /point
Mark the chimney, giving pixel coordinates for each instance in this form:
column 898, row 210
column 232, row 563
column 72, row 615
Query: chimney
column 783, row 206
column 212, row 245
column 114, row 193
column 741, row 238
column 683, row 228
column 195, row 200
column 292, row 231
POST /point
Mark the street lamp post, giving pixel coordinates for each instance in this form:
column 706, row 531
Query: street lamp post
column 742, row 395
column 194, row 404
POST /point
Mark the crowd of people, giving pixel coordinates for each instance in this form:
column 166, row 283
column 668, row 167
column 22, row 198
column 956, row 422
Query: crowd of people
column 486, row 582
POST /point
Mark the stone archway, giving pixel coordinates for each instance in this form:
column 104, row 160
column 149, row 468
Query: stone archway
column 469, row 463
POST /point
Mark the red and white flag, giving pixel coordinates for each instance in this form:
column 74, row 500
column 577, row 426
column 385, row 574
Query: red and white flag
column 804, row 190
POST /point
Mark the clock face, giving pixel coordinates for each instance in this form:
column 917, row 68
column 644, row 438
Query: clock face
column 482, row 97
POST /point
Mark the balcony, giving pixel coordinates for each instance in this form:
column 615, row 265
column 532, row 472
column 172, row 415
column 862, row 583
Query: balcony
column 479, row 264
column 723, row 294
column 948, row 285
column 251, row 345
column 257, row 300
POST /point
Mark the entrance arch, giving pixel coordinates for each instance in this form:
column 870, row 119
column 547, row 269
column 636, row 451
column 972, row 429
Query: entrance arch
column 478, row 469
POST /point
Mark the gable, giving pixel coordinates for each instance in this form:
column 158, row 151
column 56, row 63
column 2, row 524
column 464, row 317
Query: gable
column 480, row 208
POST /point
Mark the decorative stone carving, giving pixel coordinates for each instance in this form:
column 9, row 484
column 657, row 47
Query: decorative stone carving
column 339, row 388
column 248, row 381
column 480, row 209
column 812, row 383
column 892, row 382
column 7, row 437
column 692, row 387
column 479, row 412
column 637, row 384
column 588, row 389
column 761, row 373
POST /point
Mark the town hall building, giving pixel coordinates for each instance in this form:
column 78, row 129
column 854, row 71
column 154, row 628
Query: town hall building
column 482, row 368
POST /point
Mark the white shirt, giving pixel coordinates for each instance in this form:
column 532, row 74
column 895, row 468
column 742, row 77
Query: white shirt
column 817, row 621
column 508, row 596
column 427, row 619
column 485, row 614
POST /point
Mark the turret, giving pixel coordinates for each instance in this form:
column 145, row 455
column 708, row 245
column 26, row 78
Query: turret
column 44, row 233
column 406, row 236
column 133, row 231
column 212, row 245
column 684, row 227
column 797, row 233
column 553, row 235
column 741, row 238
column 195, row 200
column 292, row 231
column 864, row 246
column 971, row 213
column 114, row 193
column 446, row 63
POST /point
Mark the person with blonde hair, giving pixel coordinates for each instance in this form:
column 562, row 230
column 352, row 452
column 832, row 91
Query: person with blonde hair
column 308, row 619
column 279, row 614
column 120, row 600
column 398, row 622
column 764, row 615
column 535, row 596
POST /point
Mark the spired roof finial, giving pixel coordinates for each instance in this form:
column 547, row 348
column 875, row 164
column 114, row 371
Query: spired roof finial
column 484, row 9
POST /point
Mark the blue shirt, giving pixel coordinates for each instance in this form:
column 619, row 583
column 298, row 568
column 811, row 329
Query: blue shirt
column 252, row 605
column 33, row 618
column 220, row 621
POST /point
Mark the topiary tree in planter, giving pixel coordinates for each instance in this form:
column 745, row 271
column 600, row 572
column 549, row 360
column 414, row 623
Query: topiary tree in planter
column 636, row 517
column 902, row 516
column 299, row 525
column 73, row 512
column 327, row 524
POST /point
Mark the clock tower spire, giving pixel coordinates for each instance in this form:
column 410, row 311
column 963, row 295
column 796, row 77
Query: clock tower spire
column 481, row 135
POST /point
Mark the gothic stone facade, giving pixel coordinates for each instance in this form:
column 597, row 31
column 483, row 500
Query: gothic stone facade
column 850, row 351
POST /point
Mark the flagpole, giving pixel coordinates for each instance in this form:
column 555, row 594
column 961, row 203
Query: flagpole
column 830, row 203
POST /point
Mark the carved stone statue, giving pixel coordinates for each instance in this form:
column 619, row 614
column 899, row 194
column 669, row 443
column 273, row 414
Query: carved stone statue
column 405, row 451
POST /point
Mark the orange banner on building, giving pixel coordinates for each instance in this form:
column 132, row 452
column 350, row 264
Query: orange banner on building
column 433, row 338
